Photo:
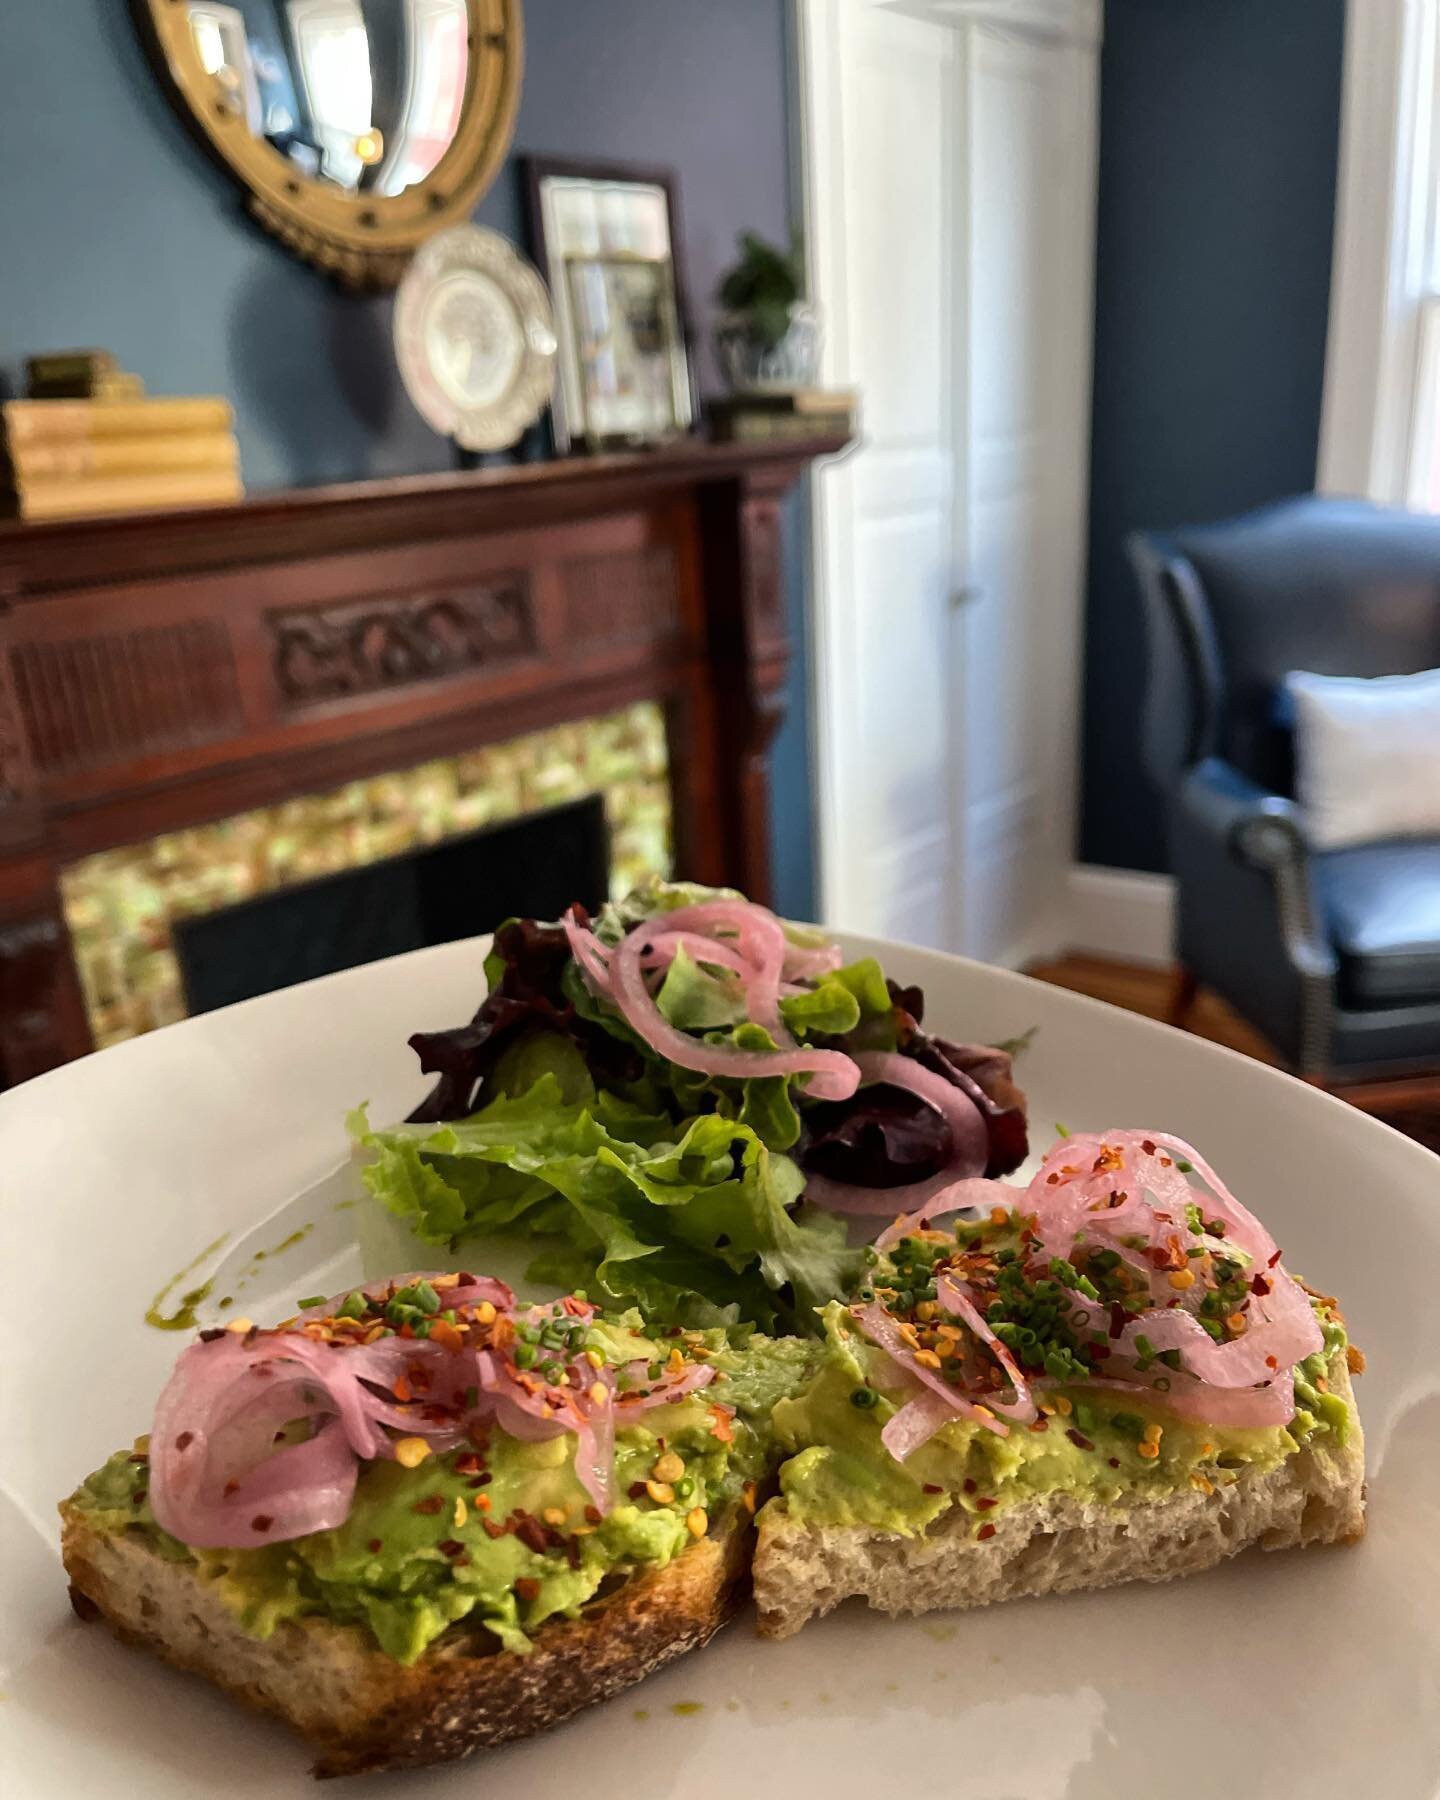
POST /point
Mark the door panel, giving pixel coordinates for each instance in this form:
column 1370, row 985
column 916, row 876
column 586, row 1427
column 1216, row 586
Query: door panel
column 884, row 641
column 951, row 172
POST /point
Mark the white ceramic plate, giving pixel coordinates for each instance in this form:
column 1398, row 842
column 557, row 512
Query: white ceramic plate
column 1315, row 1673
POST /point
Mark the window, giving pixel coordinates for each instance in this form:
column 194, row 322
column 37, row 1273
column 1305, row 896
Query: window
column 1380, row 434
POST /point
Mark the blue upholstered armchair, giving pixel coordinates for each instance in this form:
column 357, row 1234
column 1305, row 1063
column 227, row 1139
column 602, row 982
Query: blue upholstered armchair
column 1333, row 955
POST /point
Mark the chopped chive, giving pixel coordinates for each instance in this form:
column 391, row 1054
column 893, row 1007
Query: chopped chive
column 311, row 1300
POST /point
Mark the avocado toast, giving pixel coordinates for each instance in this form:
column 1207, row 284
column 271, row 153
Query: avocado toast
column 1108, row 1376
column 493, row 1516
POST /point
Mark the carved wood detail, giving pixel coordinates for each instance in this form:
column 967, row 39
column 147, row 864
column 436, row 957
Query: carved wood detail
column 335, row 652
column 627, row 597
column 105, row 697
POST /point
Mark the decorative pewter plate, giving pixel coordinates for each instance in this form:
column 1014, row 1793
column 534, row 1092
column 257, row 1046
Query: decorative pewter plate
column 475, row 338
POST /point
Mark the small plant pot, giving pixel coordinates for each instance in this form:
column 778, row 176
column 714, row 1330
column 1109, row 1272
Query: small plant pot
column 750, row 364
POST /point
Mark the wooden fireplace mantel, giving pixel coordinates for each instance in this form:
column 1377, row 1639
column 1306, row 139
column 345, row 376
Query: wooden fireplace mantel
column 167, row 669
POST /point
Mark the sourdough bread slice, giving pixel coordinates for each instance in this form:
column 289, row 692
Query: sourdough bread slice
column 1058, row 1543
column 360, row 1710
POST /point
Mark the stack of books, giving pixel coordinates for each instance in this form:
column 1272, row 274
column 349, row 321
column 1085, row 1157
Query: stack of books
column 767, row 413
column 89, row 440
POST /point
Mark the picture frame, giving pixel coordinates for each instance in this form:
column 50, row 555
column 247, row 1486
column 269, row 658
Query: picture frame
column 606, row 237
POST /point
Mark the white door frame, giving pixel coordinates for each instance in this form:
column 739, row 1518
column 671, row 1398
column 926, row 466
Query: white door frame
column 1045, row 811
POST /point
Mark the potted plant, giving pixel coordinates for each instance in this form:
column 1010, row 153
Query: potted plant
column 766, row 336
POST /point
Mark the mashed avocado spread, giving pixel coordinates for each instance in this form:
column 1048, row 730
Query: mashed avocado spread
column 1090, row 1441
column 500, row 1535
column 838, row 1472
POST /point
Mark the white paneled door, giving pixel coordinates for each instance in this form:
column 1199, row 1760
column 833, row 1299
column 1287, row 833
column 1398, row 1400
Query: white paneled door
column 950, row 153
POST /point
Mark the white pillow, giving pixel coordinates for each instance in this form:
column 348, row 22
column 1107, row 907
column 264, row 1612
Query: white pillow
column 1367, row 756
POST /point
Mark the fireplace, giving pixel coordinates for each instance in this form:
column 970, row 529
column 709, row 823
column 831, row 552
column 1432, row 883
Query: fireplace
column 432, row 895
column 218, row 912
column 165, row 675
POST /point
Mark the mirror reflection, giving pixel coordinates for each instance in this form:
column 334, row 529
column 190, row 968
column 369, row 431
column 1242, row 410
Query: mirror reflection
column 364, row 94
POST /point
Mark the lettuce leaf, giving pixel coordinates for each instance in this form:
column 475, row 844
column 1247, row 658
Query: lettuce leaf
column 690, row 1222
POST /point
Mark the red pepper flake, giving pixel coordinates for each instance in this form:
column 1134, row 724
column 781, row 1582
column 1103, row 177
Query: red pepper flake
column 402, row 1390
column 184, row 1441
column 593, row 1515
column 527, row 1588
column 1273, row 1260
column 1099, row 1352
column 375, row 1546
column 969, row 1485
column 1148, row 1147
column 139, row 1456
column 1117, row 1319
column 230, row 1487
column 432, row 1503
column 1114, row 1462
column 1260, row 1285
column 467, row 1463
column 1080, row 1443
column 209, row 1337
column 1271, row 1363
column 636, row 1490
column 985, row 1531
column 931, row 1487
column 450, row 1547
column 261, row 1522
column 1040, row 1424
column 478, row 1481
column 721, row 1428
column 460, row 1562
column 492, row 1530
column 985, row 1502
column 572, row 1552
column 531, row 1534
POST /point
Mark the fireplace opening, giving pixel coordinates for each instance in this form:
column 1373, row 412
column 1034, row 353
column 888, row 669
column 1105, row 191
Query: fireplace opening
column 434, row 894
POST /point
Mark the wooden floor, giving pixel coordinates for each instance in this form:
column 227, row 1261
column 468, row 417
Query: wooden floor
column 1412, row 1106
column 1145, row 990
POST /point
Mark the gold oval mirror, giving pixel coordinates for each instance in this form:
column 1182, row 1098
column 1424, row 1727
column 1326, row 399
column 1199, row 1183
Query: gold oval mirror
column 358, row 127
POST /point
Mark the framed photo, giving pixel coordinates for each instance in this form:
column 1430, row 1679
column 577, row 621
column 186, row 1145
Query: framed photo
column 606, row 236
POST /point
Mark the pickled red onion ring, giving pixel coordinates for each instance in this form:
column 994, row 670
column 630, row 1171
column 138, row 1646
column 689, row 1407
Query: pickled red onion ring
column 1074, row 1194
column 954, row 1298
column 974, row 1193
column 882, row 1330
column 222, row 1476
column 834, row 1076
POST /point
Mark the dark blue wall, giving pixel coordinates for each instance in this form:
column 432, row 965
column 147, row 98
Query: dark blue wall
column 1219, row 129
column 116, row 230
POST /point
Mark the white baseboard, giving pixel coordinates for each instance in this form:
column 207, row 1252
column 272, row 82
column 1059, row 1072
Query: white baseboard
column 1123, row 913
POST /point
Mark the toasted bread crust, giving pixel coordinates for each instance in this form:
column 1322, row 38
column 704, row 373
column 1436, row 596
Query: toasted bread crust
column 1057, row 1543
column 360, row 1710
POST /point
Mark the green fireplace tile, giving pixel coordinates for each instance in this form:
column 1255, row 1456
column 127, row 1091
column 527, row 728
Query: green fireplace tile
column 121, row 905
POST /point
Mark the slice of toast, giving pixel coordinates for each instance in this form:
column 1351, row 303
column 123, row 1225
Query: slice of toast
column 1057, row 1543
column 361, row 1711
